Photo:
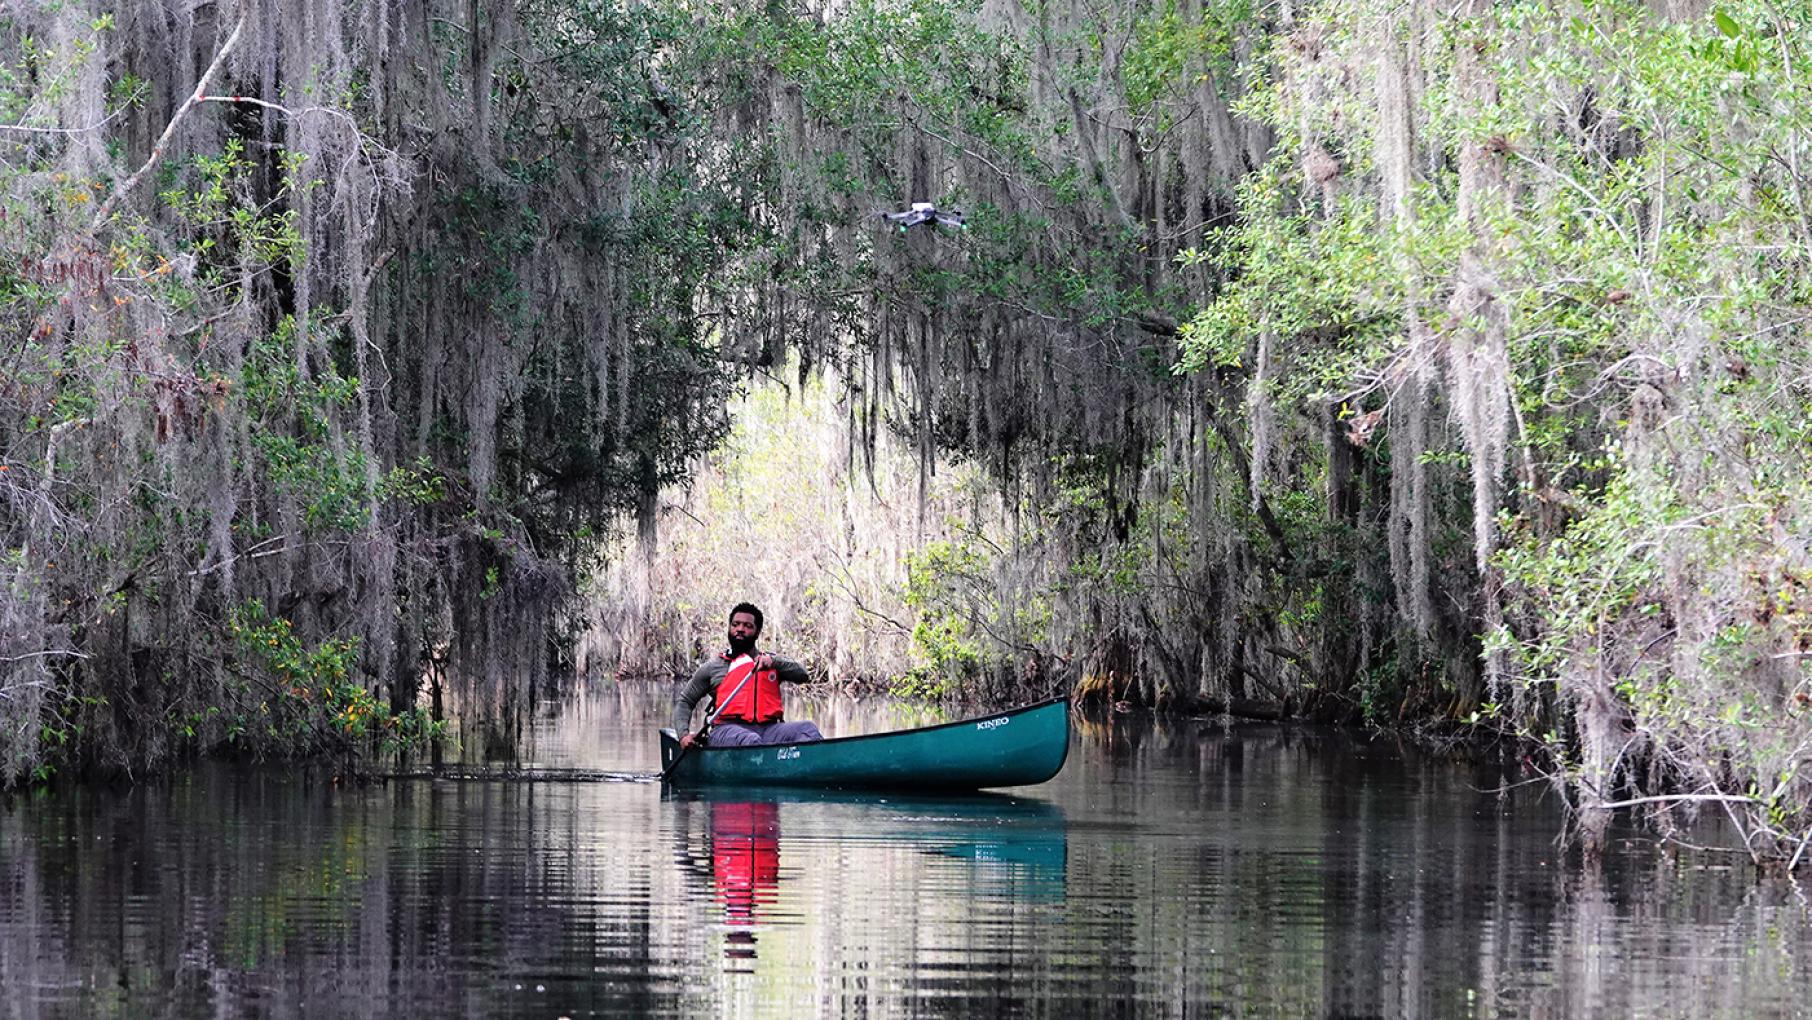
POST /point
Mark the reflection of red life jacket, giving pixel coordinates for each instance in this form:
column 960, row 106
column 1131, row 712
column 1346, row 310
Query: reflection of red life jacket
column 757, row 702
column 745, row 856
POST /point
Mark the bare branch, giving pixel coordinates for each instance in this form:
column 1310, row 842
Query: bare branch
column 43, row 654
column 105, row 212
column 96, row 126
column 1679, row 798
column 280, row 108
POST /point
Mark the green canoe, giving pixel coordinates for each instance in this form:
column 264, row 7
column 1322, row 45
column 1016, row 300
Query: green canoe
column 1015, row 748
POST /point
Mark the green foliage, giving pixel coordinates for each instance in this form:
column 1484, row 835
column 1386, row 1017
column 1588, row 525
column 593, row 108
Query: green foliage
column 656, row 237
column 215, row 388
column 1596, row 572
column 886, row 70
column 543, row 337
column 295, row 443
column 1648, row 249
column 1166, row 50
column 1330, row 285
column 418, row 483
column 303, row 700
column 213, row 197
column 946, row 584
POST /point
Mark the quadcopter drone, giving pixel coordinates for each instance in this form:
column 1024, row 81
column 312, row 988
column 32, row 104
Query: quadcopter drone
column 923, row 212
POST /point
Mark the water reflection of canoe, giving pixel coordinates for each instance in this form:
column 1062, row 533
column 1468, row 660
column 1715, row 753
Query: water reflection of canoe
column 991, row 830
column 1015, row 748
column 979, row 807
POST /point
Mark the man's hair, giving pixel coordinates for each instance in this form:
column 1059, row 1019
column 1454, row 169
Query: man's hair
column 747, row 607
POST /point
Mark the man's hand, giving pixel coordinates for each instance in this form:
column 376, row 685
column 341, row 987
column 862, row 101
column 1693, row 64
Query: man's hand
column 764, row 661
column 686, row 741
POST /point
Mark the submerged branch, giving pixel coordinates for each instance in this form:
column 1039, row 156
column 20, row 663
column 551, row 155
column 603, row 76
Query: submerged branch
column 1680, row 798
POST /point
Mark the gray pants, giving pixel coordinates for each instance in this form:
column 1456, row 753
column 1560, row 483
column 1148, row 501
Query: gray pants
column 741, row 734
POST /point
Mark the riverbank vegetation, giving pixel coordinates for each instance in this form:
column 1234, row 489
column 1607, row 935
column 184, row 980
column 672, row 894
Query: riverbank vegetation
column 1434, row 366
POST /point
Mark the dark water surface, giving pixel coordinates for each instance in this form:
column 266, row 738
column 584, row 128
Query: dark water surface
column 1187, row 870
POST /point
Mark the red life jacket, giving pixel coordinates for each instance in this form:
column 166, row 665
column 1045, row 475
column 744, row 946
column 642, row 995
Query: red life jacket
column 758, row 701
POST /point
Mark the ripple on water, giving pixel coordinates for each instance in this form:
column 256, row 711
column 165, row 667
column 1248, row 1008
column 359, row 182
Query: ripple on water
column 1171, row 870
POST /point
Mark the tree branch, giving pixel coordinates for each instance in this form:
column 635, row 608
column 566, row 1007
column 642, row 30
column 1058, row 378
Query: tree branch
column 1720, row 798
column 43, row 654
column 1086, row 136
column 280, row 108
column 105, row 212
column 96, row 126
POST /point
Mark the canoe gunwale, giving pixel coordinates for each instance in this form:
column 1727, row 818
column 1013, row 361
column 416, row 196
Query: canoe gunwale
column 972, row 720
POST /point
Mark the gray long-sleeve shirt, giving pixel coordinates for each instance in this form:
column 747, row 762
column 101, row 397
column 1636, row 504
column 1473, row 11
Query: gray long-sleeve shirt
column 710, row 672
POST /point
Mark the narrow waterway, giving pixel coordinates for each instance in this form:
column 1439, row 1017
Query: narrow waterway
column 1173, row 869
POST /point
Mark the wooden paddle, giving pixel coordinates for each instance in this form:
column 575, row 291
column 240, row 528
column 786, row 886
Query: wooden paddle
column 707, row 725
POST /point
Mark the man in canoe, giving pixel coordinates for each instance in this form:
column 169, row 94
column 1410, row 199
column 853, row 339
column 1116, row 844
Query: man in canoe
column 744, row 684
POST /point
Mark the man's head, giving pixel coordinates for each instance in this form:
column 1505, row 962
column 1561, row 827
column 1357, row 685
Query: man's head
column 745, row 627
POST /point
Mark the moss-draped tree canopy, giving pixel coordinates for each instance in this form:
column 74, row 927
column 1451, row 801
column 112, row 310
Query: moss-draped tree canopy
column 1436, row 365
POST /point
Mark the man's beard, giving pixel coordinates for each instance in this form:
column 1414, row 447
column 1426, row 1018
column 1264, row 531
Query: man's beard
column 743, row 646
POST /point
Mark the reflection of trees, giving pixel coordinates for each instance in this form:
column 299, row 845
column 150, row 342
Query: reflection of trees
column 1321, row 874
column 217, row 894
column 1172, row 869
